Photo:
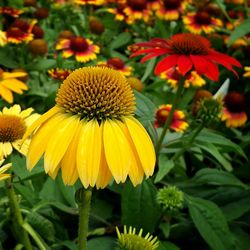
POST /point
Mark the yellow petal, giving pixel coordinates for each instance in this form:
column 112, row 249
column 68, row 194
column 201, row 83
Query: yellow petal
column 59, row 141
column 41, row 120
column 40, row 140
column 14, row 85
column 68, row 163
column 89, row 153
column 117, row 151
column 25, row 113
column 8, row 75
column 6, row 149
column 143, row 144
column 6, row 94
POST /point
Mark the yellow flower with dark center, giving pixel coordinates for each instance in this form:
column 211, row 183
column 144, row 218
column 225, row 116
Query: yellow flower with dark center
column 129, row 240
column 13, row 124
column 3, row 169
column 91, row 133
column 9, row 84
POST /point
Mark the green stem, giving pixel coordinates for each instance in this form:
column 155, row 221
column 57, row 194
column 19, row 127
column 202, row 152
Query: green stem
column 189, row 142
column 83, row 198
column 16, row 216
column 170, row 116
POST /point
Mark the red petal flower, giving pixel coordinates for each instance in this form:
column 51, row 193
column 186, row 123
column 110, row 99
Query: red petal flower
column 188, row 52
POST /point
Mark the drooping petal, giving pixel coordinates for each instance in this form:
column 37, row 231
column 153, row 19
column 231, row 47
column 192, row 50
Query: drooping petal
column 199, row 64
column 6, row 94
column 212, row 71
column 184, row 64
column 117, row 151
column 59, row 141
column 152, row 55
column 143, row 144
column 166, row 63
column 89, row 153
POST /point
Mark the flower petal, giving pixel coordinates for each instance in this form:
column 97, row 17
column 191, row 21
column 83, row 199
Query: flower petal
column 166, row 63
column 184, row 64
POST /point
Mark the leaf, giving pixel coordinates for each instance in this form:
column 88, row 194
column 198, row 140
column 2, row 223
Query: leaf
column 165, row 166
column 7, row 61
column 121, row 40
column 211, row 223
column 240, row 31
column 42, row 64
column 217, row 177
column 139, row 206
column 149, row 69
column 26, row 192
column 101, row 243
column 167, row 245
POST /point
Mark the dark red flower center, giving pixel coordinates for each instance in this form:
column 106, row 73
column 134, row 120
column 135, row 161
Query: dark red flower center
column 115, row 62
column 137, row 4
column 172, row 4
column 78, row 44
column 38, row 32
column 21, row 24
column 189, row 44
column 15, row 32
column 202, row 17
column 235, row 102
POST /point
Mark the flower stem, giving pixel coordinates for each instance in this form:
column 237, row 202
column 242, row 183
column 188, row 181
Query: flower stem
column 83, row 198
column 189, row 142
column 16, row 216
column 170, row 115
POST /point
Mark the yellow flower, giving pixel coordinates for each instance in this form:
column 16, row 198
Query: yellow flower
column 13, row 124
column 9, row 84
column 91, row 133
column 3, row 38
column 247, row 73
column 3, row 169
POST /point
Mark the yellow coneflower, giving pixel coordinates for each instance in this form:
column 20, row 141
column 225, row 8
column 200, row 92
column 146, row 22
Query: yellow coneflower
column 9, row 84
column 13, row 124
column 91, row 133
column 3, row 169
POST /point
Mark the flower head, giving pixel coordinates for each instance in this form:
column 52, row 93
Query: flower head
column 92, row 132
column 188, row 52
column 83, row 49
column 13, row 124
column 3, row 169
column 9, row 83
column 178, row 122
column 129, row 240
column 233, row 112
column 59, row 74
column 10, row 11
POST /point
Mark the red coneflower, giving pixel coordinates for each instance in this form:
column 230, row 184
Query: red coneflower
column 9, row 11
column 83, row 49
column 233, row 112
column 188, row 52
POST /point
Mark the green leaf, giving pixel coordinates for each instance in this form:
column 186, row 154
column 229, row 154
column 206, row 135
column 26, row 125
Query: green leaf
column 121, row 40
column 139, row 206
column 26, row 192
column 217, row 177
column 42, row 64
column 211, row 223
column 167, row 245
column 240, row 31
column 149, row 69
column 101, row 243
column 7, row 61
column 165, row 166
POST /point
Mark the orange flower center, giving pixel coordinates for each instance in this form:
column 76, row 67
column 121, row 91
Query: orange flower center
column 15, row 32
column 12, row 128
column 172, row 4
column 116, row 63
column 202, row 18
column 78, row 44
column 137, row 4
column 235, row 102
column 189, row 44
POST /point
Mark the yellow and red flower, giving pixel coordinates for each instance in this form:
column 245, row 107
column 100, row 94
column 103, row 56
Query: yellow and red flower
column 10, row 11
column 118, row 11
column 170, row 9
column 173, row 76
column 59, row 74
column 83, row 49
column 86, row 2
column 188, row 52
column 118, row 64
column 178, row 122
column 233, row 112
column 201, row 21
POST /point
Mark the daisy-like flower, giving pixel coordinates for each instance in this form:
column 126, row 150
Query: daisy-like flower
column 83, row 49
column 170, row 9
column 91, row 133
column 118, row 64
column 13, row 124
column 118, row 11
column 59, row 74
column 173, row 77
column 247, row 73
column 16, row 35
column 178, row 122
column 233, row 112
column 201, row 21
column 86, row 2
column 188, row 52
column 3, row 169
column 10, row 11
column 9, row 84
column 136, row 10
column 129, row 240
column 3, row 38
